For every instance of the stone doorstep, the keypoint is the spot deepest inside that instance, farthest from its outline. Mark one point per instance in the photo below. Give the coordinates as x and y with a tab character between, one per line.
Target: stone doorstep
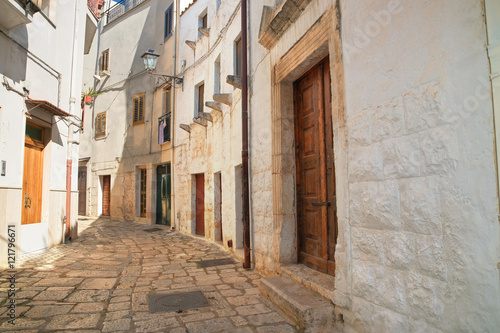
307	309
316	281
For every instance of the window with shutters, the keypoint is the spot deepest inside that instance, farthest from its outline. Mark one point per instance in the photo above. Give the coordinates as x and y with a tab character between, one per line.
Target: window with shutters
167	30
104	63
100	125
139	101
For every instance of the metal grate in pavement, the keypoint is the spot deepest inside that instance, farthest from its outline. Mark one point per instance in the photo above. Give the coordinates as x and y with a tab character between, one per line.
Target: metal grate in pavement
153	229
176	302
215	262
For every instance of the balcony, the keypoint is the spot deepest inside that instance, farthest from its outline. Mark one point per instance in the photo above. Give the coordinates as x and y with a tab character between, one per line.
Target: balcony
121	8
164	128
14	13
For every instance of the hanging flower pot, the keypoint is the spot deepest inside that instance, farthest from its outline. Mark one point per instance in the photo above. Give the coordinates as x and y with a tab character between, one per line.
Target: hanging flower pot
88	96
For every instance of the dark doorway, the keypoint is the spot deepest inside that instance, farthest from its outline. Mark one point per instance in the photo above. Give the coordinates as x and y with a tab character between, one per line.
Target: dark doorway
82	190
316	201
106	195
200	204
218	234
163	195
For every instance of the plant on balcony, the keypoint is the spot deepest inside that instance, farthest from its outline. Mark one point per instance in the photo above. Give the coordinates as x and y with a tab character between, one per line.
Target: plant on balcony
89	95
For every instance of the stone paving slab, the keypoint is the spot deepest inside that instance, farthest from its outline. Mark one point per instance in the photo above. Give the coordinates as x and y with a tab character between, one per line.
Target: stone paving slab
101	281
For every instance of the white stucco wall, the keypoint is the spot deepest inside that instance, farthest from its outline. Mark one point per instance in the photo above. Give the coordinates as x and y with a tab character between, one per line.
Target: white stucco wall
37	70
126	146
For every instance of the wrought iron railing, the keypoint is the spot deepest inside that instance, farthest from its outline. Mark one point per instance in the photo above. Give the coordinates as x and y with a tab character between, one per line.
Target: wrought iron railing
164	128
121	8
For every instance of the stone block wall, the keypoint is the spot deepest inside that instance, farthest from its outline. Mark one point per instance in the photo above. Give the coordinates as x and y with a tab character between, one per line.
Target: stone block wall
415	171
422	185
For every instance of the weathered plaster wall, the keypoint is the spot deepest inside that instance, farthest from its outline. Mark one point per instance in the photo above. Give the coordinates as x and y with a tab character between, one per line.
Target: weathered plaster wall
21	69
493	25
217	147
422	187
127	147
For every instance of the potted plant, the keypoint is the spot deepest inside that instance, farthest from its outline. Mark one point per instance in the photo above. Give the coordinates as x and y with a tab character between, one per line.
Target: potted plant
89	95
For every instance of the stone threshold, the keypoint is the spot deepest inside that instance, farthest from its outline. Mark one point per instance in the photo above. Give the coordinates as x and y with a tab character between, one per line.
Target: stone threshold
318	282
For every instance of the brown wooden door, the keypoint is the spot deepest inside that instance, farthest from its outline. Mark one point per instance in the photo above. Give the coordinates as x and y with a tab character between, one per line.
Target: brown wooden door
316	204
200	204
32	185
106	195
82	190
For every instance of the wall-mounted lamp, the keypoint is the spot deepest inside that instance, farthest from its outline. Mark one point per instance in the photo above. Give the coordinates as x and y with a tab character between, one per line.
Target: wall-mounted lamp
150	57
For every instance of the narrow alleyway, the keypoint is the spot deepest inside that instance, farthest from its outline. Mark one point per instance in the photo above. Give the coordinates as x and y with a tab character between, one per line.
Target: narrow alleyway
101	283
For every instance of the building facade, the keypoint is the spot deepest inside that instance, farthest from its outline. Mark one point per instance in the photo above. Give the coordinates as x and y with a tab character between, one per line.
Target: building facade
40	119
207	168
372	136
372	162
373	169
125	156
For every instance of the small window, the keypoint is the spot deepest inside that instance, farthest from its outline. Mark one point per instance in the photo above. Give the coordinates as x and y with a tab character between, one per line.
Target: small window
164	128
143	192
104	64
167	30
100	124
204	21
201	99
164	120
168	99
34	132
139	108
237	57
217	75
44	6
34	135
217	5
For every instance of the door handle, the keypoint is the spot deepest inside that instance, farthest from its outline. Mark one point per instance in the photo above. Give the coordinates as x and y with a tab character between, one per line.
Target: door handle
27	201
321	204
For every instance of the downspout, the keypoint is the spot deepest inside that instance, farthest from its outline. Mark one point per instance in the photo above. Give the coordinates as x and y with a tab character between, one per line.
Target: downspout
244	134
59	88
172	123
72	101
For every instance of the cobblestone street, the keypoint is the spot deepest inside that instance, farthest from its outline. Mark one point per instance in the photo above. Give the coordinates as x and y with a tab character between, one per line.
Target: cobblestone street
101	282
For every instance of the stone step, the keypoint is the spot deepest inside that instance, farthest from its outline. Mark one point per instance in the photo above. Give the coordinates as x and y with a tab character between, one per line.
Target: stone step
318	282
307	309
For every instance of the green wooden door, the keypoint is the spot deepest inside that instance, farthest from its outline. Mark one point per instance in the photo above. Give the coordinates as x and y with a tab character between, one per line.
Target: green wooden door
163	195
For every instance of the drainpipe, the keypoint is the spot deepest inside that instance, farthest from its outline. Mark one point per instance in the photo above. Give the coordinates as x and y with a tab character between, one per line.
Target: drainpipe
72	101
244	134
172	121
69	165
